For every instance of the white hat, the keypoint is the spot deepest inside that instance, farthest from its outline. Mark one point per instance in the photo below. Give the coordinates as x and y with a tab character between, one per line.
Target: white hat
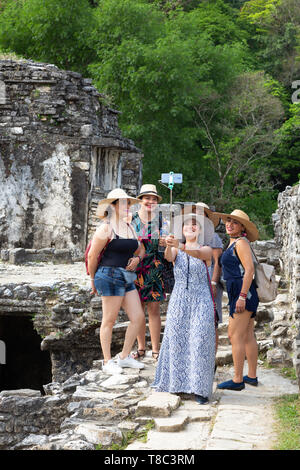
206	232
149	189
243	218
211	215
112	196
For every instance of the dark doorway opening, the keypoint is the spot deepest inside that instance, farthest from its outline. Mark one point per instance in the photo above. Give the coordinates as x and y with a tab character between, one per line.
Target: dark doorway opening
26	365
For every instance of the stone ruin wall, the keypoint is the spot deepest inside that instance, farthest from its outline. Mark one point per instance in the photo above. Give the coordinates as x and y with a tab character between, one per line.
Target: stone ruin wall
287	236
61	150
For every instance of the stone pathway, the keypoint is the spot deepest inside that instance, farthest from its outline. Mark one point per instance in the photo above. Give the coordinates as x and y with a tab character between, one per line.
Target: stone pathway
99	410
232	421
43	273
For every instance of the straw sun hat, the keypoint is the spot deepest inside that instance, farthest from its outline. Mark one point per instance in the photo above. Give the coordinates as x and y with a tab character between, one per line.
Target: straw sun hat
149	189
243	218
112	196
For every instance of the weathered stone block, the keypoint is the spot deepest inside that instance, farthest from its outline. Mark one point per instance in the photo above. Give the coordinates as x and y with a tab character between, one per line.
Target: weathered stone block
17	256
158	404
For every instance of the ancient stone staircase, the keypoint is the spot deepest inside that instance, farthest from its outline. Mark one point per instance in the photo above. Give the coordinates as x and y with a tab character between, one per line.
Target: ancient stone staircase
101	410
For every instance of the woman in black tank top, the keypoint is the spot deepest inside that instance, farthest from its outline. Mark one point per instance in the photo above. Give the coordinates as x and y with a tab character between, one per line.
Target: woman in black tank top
113	277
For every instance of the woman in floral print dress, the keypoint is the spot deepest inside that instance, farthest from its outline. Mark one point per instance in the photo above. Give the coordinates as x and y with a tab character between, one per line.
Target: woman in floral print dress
149	281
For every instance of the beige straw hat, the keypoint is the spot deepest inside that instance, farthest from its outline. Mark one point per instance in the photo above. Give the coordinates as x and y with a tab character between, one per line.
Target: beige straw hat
211	215
243	218
149	189
112	196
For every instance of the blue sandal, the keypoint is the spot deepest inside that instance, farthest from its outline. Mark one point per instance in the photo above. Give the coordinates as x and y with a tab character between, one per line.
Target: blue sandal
201	400
250	381
231	385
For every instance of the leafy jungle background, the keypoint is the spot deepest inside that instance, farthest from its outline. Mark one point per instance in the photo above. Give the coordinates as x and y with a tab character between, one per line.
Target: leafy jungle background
205	87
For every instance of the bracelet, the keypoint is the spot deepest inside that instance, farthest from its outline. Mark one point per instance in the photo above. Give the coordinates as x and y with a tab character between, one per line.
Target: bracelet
214	283
139	257
243	295
242	298
92	279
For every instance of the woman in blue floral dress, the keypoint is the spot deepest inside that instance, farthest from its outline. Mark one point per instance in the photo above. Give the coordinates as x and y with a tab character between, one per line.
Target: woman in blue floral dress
187	356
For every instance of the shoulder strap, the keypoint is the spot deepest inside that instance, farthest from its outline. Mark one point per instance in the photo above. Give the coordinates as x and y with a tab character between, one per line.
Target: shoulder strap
253	253
212	295
112	234
254	257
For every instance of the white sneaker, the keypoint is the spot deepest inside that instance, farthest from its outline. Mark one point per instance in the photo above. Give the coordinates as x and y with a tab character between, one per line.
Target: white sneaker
129	361
111	368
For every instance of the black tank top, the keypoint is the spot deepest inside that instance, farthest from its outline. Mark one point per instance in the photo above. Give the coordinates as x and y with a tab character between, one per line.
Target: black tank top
119	251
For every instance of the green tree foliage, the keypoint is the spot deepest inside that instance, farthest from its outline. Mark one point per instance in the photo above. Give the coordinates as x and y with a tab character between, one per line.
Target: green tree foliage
287	158
54	31
277	37
186	98
204	86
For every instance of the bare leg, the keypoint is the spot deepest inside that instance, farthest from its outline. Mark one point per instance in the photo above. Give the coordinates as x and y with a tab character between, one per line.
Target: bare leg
154	324
141	337
110	309
251	350
237	333
133	307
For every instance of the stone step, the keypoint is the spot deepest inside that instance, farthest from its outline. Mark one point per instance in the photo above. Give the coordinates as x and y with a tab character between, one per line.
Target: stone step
193	437
174	423
188	412
223	340
222	329
158	404
197	412
224	355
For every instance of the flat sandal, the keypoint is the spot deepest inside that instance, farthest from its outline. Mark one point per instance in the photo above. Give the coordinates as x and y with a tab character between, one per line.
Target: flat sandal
139	354
155	355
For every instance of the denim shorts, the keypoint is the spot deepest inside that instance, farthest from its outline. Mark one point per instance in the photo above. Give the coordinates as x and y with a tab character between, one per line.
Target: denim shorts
110	281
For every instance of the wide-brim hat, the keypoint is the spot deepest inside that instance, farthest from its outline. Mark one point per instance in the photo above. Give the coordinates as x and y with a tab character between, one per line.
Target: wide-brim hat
207	229
211	215
112	196
149	189
243	218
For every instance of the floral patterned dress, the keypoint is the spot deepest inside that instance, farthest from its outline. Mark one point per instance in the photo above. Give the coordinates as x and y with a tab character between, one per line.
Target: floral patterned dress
149	281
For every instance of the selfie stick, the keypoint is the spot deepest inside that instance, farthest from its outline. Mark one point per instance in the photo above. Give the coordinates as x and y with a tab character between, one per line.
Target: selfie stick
171	179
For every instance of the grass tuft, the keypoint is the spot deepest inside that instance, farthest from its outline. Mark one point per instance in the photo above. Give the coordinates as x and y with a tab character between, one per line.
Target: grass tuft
287	410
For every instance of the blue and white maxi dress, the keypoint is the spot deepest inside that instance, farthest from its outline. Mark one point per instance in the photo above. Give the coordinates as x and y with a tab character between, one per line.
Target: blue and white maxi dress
187	354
